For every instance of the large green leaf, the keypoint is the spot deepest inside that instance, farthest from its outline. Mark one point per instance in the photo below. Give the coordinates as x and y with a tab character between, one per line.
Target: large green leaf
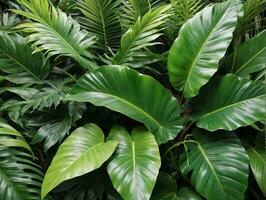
218	164
55	32
138	96
202	42
249	57
82	152
135	165
228	103
17	60
20	178
257	158
101	18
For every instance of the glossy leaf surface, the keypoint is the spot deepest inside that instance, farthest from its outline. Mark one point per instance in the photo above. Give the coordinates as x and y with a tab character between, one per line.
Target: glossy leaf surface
138	96
20	177
202	42
18	62
249	56
83	151
257	158
135	165
55	32
218	165
229	103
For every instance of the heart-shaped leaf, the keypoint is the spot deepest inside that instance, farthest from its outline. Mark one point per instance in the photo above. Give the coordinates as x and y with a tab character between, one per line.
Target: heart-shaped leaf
82	152
135	165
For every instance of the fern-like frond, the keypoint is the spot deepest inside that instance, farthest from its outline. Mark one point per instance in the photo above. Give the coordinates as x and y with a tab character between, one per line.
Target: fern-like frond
101	18
133	9
20	177
55	32
8	21
251	18
181	11
141	36
18	62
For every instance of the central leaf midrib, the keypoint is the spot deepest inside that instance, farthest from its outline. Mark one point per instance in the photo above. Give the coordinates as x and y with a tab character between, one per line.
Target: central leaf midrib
228	106
84	153
249	60
5	177
205	156
21	65
203	45
134	162
134	106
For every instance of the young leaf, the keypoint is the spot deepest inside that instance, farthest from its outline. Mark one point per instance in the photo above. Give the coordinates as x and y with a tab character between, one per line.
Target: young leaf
202	42
135	164
249	57
229	103
56	33
218	164
17	60
82	152
138	96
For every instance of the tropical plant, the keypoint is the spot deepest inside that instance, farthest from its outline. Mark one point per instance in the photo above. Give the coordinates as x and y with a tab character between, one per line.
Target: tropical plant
132	99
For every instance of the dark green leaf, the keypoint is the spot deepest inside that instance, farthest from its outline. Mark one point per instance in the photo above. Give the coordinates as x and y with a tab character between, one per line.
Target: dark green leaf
17	60
249	57
101	18
218	164
257	158
229	103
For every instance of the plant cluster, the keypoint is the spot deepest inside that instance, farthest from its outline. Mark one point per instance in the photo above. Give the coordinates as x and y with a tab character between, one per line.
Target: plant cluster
132	99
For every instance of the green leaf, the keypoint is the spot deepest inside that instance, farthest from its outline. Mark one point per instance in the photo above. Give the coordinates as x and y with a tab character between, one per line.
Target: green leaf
249	56
9	137
52	132
202	42
82	152
20	178
229	103
135	164
132	9
166	189
55	32
24	92
218	164
142	35
185	193
257	158
101	18
17	60
138	96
